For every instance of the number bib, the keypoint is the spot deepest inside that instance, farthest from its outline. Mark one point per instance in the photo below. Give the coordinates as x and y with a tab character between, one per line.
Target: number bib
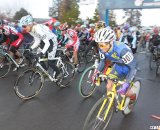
127	58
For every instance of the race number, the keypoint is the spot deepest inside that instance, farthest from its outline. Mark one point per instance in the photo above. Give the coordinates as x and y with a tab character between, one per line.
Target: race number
102	56
127	58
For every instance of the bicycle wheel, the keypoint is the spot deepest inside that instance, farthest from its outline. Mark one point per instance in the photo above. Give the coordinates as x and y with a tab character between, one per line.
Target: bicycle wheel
5	66
67	76
81	61
152	61
86	87
29	84
95	122
136	89
158	67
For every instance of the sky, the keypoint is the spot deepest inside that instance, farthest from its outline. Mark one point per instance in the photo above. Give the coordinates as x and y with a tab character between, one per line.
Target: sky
39	9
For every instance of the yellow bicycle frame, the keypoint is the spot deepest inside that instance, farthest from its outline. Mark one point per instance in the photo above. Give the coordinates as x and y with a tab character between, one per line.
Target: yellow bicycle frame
112	95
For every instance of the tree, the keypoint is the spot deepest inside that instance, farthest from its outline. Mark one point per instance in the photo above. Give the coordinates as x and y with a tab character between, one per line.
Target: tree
112	19
69	11
96	17
55	9
133	17
19	14
6	15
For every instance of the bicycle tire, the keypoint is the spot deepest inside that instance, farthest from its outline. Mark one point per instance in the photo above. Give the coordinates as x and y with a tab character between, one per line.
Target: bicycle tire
5	66
92	86
151	62
65	81
136	88
81	61
94	111
29	79
158	68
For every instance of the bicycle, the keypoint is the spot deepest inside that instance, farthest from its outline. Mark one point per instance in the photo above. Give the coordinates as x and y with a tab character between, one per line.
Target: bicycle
86	85
101	113
30	82
6	62
81	60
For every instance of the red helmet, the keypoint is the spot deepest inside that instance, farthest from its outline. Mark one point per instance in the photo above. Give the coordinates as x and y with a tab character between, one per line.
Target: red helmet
63	26
156	30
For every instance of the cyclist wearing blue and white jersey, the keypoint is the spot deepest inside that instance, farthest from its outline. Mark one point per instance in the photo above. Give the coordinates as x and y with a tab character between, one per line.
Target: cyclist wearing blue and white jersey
120	54
43	38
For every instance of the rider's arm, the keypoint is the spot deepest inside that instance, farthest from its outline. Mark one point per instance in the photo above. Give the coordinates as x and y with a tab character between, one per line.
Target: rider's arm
129	60
36	42
102	62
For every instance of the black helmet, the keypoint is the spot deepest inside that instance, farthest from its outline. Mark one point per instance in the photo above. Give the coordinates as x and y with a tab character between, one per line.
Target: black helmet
1	22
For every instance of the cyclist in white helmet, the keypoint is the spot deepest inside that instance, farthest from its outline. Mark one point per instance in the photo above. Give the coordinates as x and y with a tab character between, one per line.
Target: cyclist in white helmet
43	38
120	54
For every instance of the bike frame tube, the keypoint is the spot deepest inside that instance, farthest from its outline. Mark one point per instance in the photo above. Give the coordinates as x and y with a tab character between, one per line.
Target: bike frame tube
8	56
43	70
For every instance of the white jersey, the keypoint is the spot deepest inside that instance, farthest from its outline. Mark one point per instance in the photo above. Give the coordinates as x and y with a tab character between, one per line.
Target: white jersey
42	32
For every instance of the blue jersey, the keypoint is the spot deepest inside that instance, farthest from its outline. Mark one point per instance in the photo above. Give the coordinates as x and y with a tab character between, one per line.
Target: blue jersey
122	55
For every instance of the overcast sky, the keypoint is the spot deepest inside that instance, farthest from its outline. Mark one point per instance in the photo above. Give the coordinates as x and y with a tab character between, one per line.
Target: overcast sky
39	9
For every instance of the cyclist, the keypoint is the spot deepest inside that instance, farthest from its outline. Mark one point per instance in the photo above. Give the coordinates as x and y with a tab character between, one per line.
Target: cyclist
129	37
125	64
72	41
14	40
43	38
155	40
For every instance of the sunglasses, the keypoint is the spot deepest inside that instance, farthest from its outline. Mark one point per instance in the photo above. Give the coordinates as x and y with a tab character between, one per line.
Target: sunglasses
24	26
102	45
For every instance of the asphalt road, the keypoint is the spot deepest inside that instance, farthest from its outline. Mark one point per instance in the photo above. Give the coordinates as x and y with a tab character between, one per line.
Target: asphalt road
64	109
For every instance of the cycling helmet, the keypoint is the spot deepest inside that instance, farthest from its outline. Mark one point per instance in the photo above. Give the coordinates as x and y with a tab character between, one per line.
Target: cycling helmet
92	25
100	24
104	35
56	24
26	20
1	22
63	26
126	26
83	26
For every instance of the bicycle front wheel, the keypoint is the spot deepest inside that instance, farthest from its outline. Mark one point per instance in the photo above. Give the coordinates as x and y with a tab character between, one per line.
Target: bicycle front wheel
136	89
29	84
5	66
86	86
95	121
152	61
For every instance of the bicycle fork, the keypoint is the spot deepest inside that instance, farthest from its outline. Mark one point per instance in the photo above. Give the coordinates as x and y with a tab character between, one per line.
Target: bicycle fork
110	99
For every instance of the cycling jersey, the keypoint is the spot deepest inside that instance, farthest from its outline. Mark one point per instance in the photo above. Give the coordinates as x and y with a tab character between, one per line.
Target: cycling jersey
15	38
43	33
122	55
73	39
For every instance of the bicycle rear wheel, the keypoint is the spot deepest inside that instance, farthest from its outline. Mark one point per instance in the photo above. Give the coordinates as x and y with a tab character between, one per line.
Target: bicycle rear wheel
81	61
158	68
95	122
5	66
86	86
136	89
29	84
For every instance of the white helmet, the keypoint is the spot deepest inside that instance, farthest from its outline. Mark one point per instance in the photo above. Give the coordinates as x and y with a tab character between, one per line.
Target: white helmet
104	35
26	20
